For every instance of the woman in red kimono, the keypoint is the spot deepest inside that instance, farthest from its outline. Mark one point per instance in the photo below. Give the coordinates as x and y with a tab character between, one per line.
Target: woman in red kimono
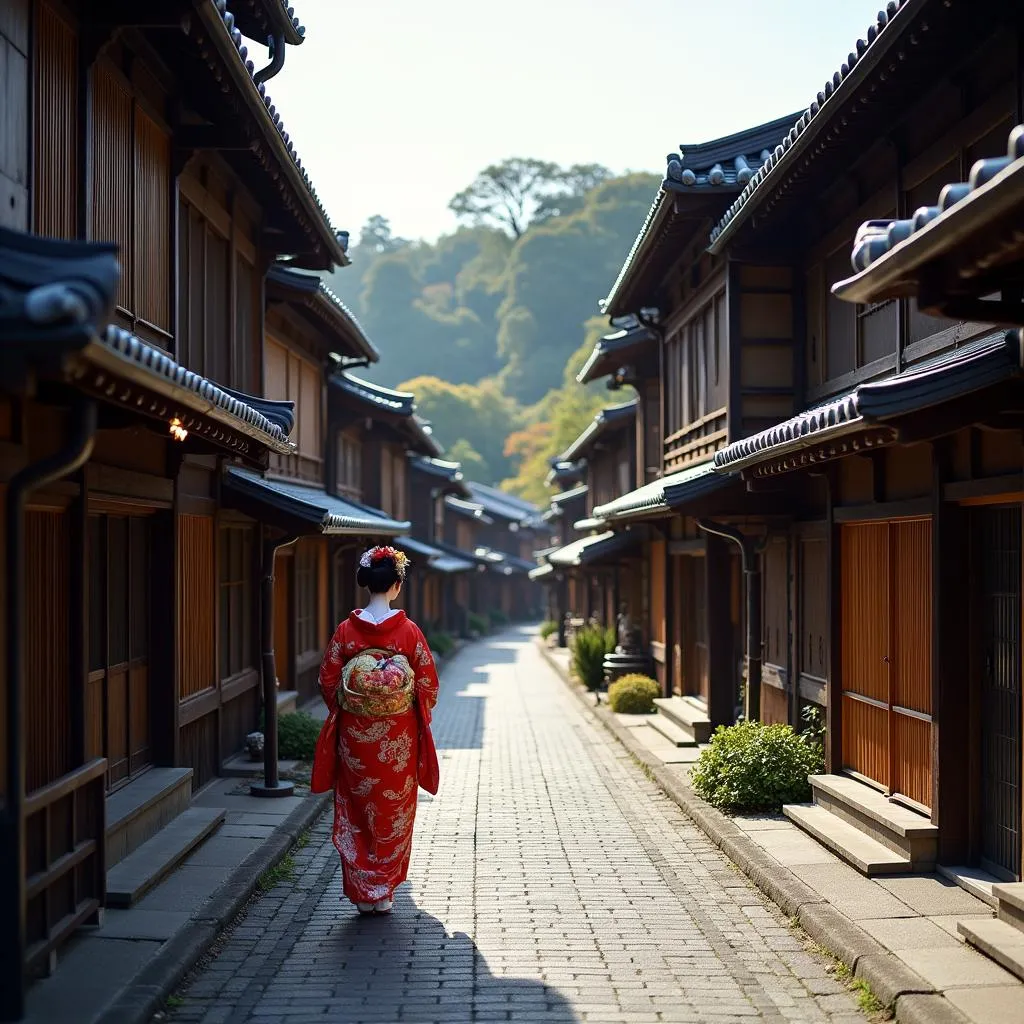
375	749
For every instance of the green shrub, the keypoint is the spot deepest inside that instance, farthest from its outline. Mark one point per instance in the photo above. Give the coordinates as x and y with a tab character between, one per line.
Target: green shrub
297	733
477	623
633	694
441	642
754	767
547	629
589	647
497	617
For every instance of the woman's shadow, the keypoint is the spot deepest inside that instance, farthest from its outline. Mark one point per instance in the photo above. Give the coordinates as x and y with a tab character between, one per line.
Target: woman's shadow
407	967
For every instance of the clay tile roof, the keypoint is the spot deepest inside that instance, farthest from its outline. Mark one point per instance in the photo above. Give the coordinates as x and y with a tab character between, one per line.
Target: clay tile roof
336	241
779	156
974	224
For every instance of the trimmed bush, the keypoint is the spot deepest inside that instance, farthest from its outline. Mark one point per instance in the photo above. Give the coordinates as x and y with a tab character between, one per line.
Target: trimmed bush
754	767
589	647
441	643
477	624
547	629
633	694
297	733
497	617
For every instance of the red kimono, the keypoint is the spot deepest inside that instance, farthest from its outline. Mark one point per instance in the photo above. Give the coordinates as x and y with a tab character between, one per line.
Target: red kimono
375	748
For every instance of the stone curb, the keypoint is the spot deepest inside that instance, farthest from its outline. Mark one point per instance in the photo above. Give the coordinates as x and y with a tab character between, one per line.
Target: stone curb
146	993
916	1000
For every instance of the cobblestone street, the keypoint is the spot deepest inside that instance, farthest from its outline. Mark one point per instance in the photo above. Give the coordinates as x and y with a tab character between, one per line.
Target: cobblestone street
551	881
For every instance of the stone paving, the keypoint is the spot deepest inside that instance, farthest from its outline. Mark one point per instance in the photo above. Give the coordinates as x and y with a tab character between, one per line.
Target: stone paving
550	882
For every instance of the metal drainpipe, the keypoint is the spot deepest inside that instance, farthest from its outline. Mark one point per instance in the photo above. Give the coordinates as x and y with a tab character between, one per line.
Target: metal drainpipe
750	556
272	785
12	838
276	43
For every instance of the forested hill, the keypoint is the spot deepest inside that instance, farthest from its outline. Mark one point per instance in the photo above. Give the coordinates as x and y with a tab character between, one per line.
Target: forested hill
481	325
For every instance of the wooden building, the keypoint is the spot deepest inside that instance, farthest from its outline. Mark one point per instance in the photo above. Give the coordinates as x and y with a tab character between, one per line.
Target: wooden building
682	317
901	472
433	591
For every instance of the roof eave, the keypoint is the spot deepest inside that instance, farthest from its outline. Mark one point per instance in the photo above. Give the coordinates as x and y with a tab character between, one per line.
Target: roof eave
875	53
329	251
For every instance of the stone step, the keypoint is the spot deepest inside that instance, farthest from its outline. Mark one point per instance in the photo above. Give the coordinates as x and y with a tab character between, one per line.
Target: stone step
867	855
977	882
1010	903
667	728
997	940
905	832
155	859
138	811
688	715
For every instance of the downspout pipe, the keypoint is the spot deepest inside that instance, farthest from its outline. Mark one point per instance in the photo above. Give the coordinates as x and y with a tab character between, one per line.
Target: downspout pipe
72	456
276	45
271	786
750	555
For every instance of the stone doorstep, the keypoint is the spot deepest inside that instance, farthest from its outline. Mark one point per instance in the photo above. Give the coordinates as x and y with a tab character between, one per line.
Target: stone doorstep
130	879
137	811
241	766
687	715
676	736
997	940
1010	903
858	849
905	832
975	881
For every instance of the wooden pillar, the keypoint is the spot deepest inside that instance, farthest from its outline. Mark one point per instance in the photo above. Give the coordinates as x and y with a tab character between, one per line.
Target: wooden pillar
718	602
834	682
952	679
670	613
78	681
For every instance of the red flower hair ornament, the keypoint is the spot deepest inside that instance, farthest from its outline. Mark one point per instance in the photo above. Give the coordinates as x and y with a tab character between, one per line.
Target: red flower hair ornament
385	553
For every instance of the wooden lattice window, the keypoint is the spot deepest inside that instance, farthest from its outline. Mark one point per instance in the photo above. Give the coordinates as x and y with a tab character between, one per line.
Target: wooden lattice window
306	585
236	600
196	608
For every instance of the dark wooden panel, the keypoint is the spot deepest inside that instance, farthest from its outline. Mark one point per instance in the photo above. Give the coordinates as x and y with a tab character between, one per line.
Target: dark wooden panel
113	171
55	127
813	598
774	706
47	651
776	601
997	550
199	749
152	202
196	605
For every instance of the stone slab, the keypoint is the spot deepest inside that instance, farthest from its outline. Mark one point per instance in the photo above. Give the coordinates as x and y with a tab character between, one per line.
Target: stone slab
933	1009
148	788
760	822
955	968
896	933
88	973
156	858
997	1004
135	923
189	886
847	890
932	895
857	848
977	882
222	851
234	830
791	846
999	941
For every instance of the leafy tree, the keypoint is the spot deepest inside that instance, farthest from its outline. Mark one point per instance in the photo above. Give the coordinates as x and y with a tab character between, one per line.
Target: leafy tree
506	194
478	414
473	465
377	237
577	181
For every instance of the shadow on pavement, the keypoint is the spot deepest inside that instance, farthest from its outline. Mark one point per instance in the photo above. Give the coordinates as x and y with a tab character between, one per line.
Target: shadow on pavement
406	966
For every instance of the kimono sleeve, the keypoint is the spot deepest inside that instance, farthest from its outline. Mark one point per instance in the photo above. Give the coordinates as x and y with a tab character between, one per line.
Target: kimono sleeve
330	667
422	661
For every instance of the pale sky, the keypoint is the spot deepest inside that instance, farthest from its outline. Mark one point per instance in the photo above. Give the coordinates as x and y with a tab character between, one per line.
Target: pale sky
395	105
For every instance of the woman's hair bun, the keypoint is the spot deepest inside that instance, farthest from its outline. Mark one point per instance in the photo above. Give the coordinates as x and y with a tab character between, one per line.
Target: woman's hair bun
380	568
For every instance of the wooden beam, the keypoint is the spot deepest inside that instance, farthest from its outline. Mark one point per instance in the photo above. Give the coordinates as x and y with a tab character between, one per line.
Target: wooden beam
721	663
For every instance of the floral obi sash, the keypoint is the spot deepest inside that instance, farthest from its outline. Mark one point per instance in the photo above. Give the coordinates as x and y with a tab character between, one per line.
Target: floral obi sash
376	683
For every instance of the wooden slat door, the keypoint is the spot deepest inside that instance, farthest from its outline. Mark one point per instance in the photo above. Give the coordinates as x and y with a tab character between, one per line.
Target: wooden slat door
886	655
997	562
117	699
695	628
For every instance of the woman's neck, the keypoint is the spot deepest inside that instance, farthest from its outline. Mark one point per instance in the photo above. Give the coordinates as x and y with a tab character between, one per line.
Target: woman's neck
378	607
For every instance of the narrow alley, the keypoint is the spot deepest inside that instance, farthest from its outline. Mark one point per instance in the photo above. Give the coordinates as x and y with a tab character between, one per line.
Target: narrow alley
551	881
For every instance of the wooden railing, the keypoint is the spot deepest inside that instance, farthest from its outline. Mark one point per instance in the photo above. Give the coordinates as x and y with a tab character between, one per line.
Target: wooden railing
65	858
696	440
